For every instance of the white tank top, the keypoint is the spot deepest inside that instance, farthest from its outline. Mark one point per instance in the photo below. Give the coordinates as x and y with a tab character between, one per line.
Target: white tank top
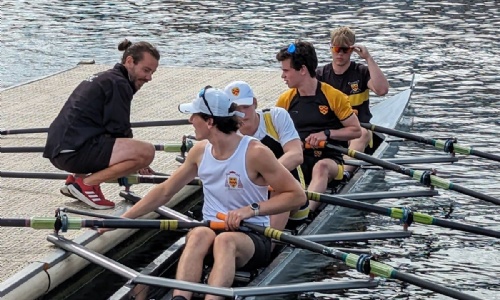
226	185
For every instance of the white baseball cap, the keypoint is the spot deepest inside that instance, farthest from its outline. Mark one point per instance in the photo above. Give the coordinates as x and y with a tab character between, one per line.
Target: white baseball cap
212	102
240	92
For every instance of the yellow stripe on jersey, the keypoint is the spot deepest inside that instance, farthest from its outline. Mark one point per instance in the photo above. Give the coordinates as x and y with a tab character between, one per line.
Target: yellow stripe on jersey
286	98
270	126
338	101
358	99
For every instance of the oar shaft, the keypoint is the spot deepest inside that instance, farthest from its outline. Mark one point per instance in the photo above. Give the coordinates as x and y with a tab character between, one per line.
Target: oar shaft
352	260
455	294
131	179
21	149
133	124
401	134
463	227
438	144
23	131
448	185
344	202
491	156
160	123
436	181
78	223
397	213
171	148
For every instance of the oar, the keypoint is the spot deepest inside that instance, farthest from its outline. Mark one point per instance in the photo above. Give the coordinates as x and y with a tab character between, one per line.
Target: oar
170	147
424	177
448	146
133	124
402	214
408	160
135	277
85	213
65	223
127	180
360	263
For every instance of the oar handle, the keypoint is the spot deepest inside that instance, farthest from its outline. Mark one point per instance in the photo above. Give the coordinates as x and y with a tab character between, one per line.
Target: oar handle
322	144
217	225
221	216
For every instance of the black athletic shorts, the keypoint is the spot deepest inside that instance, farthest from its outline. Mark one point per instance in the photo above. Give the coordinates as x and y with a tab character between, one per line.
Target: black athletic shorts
92	157
311	157
261	257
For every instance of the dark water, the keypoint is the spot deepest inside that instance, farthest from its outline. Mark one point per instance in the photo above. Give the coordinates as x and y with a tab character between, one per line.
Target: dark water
454	46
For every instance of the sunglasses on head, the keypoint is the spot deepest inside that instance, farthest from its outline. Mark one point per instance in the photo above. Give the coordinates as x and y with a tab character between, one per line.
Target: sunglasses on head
337	49
201	94
291	48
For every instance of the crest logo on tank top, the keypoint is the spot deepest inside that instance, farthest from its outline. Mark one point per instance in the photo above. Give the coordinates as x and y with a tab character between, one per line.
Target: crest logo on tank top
354	87
323	109
233	180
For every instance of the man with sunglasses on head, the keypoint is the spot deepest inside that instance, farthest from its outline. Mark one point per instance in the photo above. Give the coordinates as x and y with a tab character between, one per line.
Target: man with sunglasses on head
355	80
319	112
275	129
235	171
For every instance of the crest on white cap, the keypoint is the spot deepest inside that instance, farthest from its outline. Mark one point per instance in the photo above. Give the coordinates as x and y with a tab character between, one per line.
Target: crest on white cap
212	102
240	92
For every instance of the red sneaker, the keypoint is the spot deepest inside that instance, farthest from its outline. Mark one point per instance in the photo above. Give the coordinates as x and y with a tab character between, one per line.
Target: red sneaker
64	190
90	194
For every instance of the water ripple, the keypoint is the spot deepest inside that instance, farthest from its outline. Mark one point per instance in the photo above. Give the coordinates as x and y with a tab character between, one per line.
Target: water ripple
454	46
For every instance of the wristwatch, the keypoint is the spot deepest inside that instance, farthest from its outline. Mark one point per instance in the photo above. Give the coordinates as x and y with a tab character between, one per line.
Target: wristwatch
327	133
255	207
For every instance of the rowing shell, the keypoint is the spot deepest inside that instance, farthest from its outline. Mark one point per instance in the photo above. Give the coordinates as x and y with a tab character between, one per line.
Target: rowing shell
386	113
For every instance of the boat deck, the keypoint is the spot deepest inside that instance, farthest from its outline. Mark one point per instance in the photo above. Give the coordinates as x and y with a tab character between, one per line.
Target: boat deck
36	103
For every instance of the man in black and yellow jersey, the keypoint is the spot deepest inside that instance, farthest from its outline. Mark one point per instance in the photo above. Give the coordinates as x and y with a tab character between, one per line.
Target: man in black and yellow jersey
319	112
275	129
353	79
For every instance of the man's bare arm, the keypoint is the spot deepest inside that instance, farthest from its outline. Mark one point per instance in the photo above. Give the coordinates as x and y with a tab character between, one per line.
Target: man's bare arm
293	155
351	130
288	194
162	193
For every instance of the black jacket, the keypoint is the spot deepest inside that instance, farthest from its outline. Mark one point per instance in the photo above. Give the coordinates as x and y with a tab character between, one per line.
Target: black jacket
99	105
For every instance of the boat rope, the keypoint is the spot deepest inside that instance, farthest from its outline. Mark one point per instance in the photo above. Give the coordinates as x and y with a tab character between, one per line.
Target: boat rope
407	218
425	178
448	146
363	264
184	147
123	181
58	224
64	222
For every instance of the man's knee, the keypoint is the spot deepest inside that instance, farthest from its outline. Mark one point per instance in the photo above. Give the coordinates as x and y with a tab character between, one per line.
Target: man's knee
148	153
365	135
200	238
322	167
225	242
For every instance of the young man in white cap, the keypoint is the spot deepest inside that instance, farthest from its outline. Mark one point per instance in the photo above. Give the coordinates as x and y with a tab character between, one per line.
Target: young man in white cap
235	171
275	129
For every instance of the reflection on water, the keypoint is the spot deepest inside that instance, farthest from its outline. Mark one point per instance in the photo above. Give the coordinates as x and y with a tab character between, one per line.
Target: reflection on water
454	46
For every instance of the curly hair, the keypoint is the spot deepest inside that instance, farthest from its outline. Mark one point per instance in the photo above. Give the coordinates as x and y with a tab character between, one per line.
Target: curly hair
304	54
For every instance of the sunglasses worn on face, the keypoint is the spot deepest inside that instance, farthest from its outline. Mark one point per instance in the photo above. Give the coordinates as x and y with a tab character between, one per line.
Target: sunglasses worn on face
202	95
346	50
